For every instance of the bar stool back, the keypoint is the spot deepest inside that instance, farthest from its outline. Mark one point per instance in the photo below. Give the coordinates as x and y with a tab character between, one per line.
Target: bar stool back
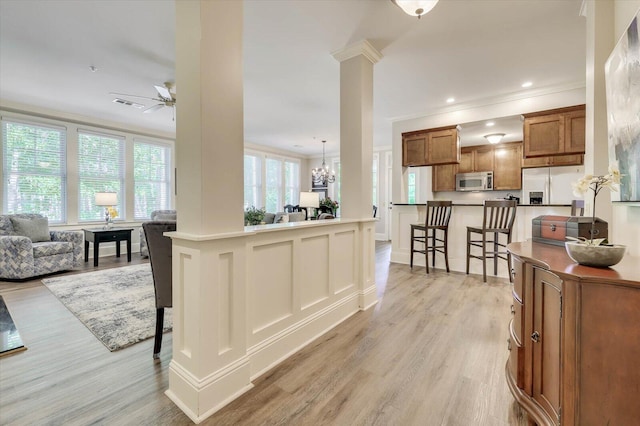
437	219
498	218
577	207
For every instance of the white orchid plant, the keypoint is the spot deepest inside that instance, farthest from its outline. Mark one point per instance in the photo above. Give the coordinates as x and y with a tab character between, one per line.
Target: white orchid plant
595	184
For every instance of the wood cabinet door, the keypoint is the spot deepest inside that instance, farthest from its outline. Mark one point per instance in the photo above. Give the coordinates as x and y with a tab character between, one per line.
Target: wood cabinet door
466	160
508	171
443	147
546	341
484	159
444	177
414	150
574	127
544	135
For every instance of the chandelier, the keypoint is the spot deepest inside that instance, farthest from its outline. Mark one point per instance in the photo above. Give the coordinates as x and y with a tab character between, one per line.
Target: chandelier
321	175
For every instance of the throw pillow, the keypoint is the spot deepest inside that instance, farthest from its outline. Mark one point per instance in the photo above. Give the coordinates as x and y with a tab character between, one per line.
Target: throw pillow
283	219
279	216
36	229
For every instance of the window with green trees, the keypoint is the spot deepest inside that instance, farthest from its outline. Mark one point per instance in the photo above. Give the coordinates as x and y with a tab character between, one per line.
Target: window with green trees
152	178
34	169
100	169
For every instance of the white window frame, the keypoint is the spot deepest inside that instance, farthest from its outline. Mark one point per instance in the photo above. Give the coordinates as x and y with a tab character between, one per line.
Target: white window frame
99	211
9	176
164	184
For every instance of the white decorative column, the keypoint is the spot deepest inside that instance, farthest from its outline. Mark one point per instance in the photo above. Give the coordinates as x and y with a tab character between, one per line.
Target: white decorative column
356	154
210	365
600	43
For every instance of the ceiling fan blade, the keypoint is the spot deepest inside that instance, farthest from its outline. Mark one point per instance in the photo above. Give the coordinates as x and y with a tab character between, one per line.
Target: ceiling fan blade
164	93
153	108
134	96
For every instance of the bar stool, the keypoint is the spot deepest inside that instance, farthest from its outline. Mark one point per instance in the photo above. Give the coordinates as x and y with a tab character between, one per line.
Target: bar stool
498	218
438	215
577	206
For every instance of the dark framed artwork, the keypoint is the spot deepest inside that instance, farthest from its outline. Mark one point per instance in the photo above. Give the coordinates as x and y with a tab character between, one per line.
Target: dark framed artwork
322	190
622	76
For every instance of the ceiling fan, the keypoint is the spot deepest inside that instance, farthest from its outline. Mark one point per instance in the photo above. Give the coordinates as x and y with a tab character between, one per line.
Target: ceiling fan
165	97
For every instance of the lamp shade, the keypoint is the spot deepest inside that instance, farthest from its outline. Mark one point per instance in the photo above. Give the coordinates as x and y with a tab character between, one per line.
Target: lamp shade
309	199
106	198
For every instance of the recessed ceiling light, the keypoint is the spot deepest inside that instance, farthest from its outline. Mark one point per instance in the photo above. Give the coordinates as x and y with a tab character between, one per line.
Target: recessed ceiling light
490	123
93	68
450	100
527	84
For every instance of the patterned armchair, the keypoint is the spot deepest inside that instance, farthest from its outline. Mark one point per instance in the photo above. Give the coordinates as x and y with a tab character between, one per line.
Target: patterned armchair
21	258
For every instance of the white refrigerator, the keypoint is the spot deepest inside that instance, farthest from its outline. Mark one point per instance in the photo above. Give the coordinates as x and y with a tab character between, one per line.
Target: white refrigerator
552	183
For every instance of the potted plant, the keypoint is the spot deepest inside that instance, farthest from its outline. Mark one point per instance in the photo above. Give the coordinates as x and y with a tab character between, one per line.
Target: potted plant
331	204
595	251
253	215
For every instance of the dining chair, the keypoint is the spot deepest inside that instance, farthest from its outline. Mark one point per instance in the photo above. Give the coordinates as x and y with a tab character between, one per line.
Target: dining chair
437	219
159	247
497	219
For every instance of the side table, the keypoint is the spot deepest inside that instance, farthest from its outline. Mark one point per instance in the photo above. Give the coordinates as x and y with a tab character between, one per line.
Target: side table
99	235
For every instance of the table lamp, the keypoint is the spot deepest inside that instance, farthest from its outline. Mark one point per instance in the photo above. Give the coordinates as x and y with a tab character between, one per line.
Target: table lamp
106	200
309	200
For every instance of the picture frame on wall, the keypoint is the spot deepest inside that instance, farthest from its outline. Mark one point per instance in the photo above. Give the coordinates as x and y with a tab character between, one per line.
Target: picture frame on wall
622	77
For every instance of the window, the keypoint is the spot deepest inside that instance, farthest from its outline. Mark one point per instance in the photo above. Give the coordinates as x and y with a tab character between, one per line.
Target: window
411	188
252	181
100	168
291	182
273	185
34	169
374	175
152	178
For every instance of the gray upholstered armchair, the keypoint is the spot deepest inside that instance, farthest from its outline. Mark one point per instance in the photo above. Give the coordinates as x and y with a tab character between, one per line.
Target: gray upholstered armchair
160	257
155	215
28	248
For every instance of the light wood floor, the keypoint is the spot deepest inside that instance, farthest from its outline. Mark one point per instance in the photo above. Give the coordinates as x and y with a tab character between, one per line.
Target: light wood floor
431	352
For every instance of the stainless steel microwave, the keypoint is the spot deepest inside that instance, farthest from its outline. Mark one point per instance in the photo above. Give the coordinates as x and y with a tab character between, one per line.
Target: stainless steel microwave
479	181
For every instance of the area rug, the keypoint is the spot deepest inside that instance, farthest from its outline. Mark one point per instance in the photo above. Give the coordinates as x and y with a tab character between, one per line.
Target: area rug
117	305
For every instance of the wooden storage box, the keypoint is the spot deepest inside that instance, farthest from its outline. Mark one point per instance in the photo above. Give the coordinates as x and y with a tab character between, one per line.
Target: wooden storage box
553	229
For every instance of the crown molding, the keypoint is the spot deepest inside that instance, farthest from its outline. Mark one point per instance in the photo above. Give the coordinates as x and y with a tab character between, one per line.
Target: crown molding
362	47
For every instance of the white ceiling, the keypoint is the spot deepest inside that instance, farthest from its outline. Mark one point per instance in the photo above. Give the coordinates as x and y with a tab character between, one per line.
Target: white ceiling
472	50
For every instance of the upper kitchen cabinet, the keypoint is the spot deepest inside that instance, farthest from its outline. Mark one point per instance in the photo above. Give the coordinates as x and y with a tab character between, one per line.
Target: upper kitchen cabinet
431	147
554	132
476	159
508	173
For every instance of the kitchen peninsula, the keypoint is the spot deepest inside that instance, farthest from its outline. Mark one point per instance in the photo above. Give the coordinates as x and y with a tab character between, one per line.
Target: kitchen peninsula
464	213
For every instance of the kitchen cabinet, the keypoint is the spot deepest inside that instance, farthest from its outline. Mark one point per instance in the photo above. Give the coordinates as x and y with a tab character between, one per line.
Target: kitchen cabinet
444	177
476	159
431	147
554	132
573	338
555	160
504	160
507	174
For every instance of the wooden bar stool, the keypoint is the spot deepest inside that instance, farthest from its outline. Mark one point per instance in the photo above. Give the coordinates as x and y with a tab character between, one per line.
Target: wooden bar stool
498	218
437	219
577	207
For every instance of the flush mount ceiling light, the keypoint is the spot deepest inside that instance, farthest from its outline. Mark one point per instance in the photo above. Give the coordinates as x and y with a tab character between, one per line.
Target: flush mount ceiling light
451	100
494	137
415	7
527	84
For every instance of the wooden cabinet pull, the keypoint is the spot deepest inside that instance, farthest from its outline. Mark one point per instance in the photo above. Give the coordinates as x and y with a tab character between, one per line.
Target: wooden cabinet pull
535	336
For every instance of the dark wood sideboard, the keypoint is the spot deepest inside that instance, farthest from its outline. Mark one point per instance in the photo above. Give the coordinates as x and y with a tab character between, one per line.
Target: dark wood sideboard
574	338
